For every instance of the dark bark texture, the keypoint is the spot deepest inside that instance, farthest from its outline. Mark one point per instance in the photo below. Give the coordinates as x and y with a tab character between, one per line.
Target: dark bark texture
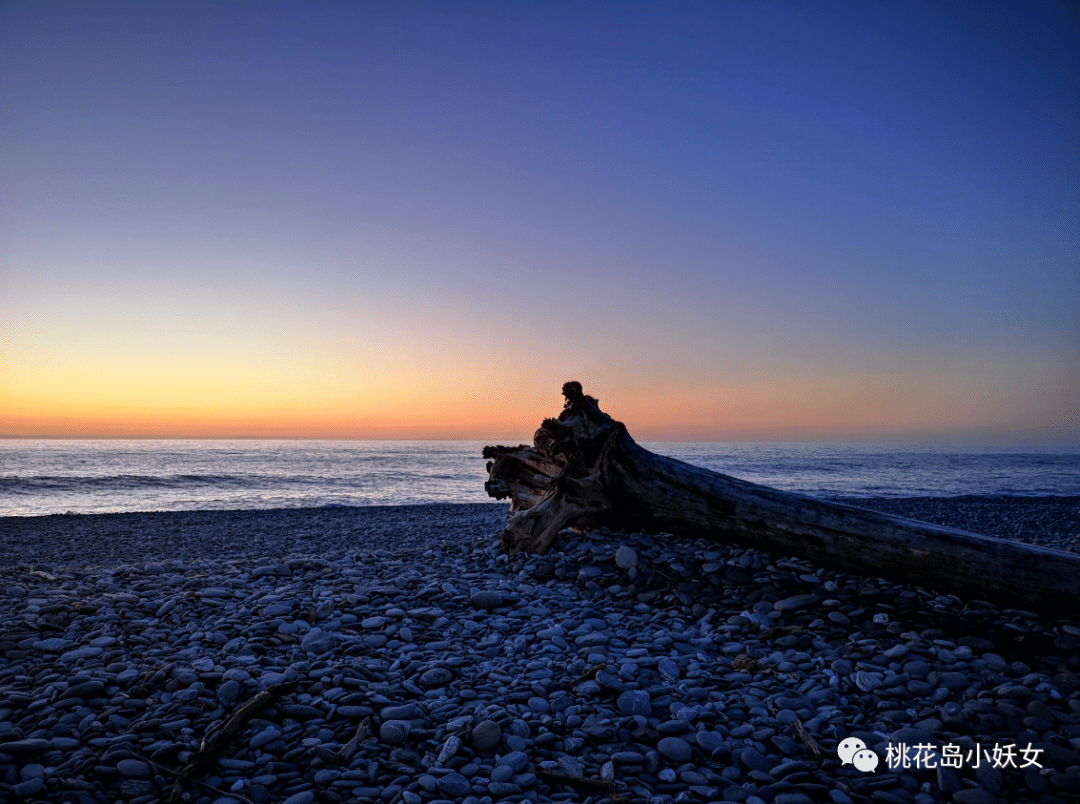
584	471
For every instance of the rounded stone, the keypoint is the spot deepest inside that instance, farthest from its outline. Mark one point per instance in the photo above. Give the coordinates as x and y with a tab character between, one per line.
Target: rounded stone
33	770
709	740
486	735
486	600
792	797
1069	782
454	785
755	760
436	678
515	760
28	788
625	557
229	691
635	702
267	735
403	712
975	643
317	642
954	682
31	746
868	682
134	769
674	748
975	795
794	603
395	732
303	797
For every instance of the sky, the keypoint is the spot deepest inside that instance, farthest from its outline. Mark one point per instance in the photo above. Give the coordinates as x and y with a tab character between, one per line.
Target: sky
732	220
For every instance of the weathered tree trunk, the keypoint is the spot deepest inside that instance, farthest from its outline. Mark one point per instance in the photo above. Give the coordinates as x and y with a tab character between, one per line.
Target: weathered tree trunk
585	471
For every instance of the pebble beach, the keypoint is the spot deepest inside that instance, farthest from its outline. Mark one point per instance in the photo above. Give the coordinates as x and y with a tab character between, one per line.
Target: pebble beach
423	665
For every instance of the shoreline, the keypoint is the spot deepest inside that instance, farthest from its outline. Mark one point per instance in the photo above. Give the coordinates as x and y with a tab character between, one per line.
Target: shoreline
671	667
1050	521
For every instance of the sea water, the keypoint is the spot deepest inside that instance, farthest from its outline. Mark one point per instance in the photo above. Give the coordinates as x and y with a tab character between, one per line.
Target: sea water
55	476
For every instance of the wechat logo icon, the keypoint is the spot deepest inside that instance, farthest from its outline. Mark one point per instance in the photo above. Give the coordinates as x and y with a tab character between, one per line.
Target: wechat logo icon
853	751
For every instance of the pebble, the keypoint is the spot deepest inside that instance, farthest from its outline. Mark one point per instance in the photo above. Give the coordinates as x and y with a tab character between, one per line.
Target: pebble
625	557
974	796
635	702
515	761
646	660
486	735
303	797
317	642
134	768
395	732
486	600
30	787
435	678
454	785
794	603
674	748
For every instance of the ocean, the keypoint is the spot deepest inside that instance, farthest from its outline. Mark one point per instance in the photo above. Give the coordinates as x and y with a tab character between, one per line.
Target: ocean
54	476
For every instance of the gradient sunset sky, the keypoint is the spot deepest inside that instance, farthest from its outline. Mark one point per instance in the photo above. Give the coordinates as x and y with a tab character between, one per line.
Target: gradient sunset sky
729	220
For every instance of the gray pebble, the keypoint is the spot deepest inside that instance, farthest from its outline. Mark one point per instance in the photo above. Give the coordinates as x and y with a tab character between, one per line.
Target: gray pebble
674	748
454	784
625	557
486	735
303	797
436	678
974	795
134	769
395	732
635	702
794	603
486	600
515	760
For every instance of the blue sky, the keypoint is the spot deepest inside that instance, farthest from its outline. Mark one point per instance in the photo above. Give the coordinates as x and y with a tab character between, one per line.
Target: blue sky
731	220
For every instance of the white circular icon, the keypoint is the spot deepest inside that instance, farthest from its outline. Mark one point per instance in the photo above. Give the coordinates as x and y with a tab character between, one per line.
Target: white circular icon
848	747
865	760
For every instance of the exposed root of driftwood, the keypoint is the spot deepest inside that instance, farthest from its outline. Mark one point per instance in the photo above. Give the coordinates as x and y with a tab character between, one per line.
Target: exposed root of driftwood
199	782
810	742
584	471
350	748
215	743
778	631
618	790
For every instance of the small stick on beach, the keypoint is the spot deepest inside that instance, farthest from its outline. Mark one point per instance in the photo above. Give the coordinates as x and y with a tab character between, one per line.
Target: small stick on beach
810	741
214	747
351	747
617	789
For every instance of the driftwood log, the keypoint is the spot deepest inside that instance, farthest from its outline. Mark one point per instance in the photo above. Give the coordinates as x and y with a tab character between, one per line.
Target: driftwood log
584	471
